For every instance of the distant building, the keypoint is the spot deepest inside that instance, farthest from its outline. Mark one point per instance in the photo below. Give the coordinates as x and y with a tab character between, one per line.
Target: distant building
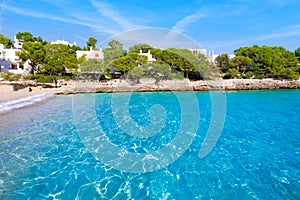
10	55
62	42
210	54
91	54
231	56
197	51
17	43
150	57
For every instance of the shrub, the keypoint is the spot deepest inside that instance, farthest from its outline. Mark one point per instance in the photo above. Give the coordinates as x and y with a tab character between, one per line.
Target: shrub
9	76
30	77
249	75
259	76
232	73
40	78
67	78
179	75
44	78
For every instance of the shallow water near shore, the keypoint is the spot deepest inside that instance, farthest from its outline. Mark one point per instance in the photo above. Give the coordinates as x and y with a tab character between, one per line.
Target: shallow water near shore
257	156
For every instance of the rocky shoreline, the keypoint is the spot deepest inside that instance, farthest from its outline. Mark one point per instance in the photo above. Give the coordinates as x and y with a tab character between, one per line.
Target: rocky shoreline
247	84
148	85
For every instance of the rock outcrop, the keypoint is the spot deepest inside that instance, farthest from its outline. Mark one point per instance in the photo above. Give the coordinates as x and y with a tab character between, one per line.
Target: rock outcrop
149	85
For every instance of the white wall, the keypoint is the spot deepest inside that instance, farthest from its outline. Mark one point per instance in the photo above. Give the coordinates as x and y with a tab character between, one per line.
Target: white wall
92	54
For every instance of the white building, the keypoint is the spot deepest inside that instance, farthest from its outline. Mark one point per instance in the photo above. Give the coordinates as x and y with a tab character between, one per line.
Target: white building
17	43
91	54
2	51
210	54
196	51
62	42
150	57
231	56
10	55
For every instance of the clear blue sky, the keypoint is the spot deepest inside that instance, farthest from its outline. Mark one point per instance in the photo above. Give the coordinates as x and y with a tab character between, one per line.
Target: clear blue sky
219	25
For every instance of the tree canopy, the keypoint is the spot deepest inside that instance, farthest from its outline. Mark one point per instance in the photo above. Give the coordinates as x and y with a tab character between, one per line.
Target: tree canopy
46	58
92	65
91	42
115	44
222	62
162	71
297	54
25	37
127	62
184	60
115	51
248	62
58	57
260	62
34	52
6	41
140	46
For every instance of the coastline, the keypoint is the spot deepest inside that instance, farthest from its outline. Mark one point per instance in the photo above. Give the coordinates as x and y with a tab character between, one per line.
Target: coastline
16	90
147	85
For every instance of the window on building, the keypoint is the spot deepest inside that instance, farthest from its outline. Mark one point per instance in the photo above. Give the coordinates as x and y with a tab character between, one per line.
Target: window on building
14	66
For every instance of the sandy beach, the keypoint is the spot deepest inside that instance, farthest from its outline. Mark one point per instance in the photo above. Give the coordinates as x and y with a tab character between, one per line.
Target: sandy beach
7	93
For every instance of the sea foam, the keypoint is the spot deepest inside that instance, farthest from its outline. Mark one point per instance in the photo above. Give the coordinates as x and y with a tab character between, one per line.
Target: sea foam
22	102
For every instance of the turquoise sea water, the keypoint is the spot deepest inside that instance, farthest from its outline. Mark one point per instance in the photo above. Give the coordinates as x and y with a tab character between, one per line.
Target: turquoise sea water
257	156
